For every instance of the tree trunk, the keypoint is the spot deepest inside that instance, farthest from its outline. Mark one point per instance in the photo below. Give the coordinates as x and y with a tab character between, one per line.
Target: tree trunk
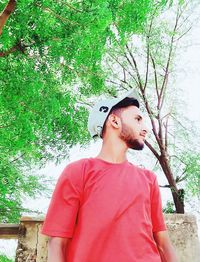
6	13
179	201
178	195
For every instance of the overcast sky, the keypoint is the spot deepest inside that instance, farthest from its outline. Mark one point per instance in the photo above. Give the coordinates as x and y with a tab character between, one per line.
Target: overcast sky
189	73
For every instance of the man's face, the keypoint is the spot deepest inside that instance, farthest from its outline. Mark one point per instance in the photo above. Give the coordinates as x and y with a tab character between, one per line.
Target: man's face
133	130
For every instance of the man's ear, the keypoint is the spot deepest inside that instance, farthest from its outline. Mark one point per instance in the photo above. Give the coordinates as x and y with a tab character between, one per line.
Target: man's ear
114	121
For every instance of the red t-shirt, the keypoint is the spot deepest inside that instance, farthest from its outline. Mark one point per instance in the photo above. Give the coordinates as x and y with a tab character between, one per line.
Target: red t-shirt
109	211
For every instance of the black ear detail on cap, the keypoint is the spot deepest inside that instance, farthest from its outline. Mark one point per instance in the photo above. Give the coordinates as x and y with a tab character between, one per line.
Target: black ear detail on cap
103	109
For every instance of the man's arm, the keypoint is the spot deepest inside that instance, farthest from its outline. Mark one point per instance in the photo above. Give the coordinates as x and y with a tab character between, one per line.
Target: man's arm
166	250
57	248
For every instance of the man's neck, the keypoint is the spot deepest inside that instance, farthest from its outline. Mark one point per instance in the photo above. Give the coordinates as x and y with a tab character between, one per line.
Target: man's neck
113	153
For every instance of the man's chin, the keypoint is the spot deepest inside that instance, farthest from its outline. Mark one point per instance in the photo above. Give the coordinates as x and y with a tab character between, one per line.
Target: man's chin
139	148
136	145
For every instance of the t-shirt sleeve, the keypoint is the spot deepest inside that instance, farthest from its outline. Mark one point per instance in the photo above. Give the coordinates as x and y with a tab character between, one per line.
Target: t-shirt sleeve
63	209
157	217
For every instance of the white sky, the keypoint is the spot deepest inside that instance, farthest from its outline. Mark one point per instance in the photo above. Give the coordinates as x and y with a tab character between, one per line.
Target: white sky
189	74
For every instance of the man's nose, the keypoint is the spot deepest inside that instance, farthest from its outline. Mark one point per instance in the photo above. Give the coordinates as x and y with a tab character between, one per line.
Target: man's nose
144	129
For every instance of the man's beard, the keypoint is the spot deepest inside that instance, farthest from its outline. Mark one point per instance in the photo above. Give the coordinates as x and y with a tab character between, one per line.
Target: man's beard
131	142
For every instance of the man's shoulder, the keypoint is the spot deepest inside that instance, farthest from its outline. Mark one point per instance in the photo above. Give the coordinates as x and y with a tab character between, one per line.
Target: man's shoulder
76	165
78	162
145	172
74	170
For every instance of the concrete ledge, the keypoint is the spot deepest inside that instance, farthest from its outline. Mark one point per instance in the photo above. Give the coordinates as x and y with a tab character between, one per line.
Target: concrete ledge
32	219
182	230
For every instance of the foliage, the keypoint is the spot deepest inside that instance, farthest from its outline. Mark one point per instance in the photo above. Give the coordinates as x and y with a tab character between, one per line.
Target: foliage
192	172
169	208
51	54
46	48
56	58
16	184
147	64
5	259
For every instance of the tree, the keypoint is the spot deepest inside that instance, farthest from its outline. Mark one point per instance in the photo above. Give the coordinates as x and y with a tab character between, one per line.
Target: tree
146	62
47	51
66	54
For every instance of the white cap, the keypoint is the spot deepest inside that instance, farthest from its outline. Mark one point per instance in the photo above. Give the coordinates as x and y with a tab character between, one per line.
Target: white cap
101	110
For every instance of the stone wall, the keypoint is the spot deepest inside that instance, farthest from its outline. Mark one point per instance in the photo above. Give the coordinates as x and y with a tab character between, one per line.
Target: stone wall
183	233
32	245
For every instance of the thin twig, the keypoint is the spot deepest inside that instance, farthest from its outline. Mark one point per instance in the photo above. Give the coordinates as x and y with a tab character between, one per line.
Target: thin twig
18	47
124	68
156	78
164	84
63	19
124	75
71	7
148	52
166	186
16	159
183	34
166	133
135	67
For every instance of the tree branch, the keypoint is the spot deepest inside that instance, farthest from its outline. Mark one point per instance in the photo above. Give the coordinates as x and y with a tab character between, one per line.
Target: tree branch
71	7
82	102
16	159
164	84
139	84
175	40
156	78
178	121
122	81
6	13
148	52
160	133
135	67
18	47
78	10
124	75
166	132
142	90
118	84
4	126
11	50
124	68
178	159
147	67
181	179
63	19
166	186
153	150
149	111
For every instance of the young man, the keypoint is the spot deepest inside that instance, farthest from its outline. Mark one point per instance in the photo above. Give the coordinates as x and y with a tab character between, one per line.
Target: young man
105	209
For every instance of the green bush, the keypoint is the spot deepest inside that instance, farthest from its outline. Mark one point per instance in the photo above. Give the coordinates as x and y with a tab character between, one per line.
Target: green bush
169	208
